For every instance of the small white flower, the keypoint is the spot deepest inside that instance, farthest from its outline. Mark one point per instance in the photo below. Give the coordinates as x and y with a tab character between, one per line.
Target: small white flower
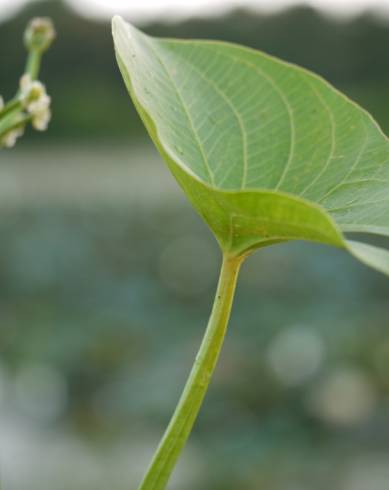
25	82
31	90
41	119
1	103
35	101
9	139
39	105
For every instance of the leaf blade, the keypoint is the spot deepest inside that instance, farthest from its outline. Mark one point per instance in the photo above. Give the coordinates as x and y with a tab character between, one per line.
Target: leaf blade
247	135
375	257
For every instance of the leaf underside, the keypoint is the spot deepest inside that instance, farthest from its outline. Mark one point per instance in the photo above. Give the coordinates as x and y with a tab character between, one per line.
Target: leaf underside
266	151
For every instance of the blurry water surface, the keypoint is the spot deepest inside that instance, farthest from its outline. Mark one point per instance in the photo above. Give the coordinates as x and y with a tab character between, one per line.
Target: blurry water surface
106	279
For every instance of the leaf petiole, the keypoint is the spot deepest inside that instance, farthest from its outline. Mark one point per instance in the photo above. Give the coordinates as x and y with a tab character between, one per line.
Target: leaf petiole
182	421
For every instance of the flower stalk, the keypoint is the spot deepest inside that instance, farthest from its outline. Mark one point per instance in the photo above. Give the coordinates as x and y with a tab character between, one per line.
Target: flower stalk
31	102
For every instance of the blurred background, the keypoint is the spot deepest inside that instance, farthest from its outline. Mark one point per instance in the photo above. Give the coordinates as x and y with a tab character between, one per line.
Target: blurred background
107	277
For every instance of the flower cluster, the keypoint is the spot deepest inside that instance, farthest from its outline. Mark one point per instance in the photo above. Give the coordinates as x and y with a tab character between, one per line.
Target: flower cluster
31	102
35	101
35	104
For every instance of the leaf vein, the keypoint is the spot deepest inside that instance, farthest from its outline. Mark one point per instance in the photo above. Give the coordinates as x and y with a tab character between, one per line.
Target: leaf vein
187	113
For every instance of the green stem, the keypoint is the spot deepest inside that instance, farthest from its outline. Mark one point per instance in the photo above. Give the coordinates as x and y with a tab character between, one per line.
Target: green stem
33	63
181	423
32	68
11	106
12	121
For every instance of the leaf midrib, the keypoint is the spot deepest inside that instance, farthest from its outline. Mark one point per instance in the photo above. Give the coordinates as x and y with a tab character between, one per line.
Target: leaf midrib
186	111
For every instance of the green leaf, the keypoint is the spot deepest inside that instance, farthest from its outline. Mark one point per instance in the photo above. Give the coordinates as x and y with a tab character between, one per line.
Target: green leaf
266	151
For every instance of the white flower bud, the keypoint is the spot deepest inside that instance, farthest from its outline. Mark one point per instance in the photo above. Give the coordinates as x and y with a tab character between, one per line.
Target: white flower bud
39	105
35	101
39	34
31	90
41	119
25	83
8	140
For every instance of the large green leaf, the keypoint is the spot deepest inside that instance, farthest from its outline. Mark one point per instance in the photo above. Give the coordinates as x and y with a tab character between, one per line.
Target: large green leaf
265	151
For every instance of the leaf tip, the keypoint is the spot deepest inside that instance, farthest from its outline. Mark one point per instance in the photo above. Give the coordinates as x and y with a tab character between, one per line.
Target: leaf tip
117	20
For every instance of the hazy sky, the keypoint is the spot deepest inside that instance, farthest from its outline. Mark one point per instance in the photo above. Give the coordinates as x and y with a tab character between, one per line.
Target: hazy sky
146	9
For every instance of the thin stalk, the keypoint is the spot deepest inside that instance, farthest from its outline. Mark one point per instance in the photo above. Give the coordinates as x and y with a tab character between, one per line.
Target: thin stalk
33	63
13	104
180	426
13	121
32	68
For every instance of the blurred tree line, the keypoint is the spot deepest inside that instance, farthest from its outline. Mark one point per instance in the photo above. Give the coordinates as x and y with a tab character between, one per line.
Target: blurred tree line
89	96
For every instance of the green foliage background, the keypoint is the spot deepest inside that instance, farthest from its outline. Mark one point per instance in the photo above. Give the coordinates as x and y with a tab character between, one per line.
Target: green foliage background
84	80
